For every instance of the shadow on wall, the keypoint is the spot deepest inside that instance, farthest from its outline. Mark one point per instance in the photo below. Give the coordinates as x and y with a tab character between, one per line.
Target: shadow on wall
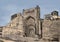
1	41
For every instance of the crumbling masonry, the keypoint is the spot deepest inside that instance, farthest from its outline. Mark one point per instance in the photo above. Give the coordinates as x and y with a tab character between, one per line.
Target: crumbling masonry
29	24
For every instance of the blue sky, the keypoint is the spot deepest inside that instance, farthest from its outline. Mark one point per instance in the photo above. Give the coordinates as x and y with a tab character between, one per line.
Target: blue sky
9	7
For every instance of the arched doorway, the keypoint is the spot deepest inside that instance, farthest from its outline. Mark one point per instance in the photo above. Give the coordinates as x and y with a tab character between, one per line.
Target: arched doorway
30	26
31	31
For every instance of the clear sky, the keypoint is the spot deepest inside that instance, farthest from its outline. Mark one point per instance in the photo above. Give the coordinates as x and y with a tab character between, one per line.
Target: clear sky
9	7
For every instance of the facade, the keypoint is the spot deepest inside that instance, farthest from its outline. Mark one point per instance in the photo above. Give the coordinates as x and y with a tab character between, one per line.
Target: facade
28	24
32	21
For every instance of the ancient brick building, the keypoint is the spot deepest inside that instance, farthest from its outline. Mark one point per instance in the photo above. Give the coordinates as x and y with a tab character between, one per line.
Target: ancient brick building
29	24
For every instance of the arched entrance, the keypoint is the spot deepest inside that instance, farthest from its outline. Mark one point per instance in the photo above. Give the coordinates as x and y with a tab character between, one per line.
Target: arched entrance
30	26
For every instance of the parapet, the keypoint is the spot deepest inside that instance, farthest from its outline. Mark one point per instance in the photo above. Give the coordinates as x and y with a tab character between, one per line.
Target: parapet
15	15
30	10
53	16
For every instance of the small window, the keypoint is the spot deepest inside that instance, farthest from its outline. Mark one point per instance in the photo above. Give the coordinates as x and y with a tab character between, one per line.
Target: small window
0	33
13	16
0	30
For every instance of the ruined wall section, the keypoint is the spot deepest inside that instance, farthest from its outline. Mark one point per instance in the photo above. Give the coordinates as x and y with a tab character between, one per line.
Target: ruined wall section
15	27
45	29
51	29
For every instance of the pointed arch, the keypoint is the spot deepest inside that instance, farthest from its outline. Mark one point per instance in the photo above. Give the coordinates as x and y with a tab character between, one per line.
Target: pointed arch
30	17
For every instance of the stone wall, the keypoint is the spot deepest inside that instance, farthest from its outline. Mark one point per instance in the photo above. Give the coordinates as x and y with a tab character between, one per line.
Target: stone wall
51	29
32	21
29	25
15	28
45	29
